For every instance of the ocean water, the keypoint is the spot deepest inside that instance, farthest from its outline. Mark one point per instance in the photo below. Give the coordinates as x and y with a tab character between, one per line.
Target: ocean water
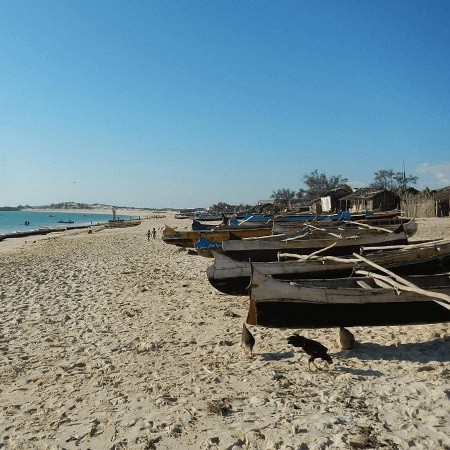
13	221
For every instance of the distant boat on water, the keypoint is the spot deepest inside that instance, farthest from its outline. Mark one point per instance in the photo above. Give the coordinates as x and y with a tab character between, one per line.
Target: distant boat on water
14	221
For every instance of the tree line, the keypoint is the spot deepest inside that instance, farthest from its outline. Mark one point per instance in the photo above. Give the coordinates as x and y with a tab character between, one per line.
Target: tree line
319	184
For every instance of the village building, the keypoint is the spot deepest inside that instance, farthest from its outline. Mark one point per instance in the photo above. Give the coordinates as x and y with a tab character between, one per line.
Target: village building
330	202
265	206
370	199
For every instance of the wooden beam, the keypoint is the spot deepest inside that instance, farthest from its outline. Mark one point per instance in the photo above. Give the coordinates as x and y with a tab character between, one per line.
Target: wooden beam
405	284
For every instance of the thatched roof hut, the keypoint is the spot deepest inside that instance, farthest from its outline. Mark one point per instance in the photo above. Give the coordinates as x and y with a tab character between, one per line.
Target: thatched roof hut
370	199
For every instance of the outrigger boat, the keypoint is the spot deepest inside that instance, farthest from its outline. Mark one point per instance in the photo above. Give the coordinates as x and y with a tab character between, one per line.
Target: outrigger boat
409	225
233	277
365	300
188	238
268	249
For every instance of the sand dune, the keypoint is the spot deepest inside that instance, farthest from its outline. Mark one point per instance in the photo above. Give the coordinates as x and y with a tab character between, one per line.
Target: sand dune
110	341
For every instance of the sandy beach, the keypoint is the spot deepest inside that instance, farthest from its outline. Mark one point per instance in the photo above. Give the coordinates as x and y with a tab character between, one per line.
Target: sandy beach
112	341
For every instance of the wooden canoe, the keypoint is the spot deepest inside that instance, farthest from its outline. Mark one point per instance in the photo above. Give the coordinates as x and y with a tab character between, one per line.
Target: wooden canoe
354	301
267	250
183	238
200	226
409	225
233	277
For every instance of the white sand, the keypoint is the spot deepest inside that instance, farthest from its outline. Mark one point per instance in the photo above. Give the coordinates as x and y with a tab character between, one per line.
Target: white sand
110	341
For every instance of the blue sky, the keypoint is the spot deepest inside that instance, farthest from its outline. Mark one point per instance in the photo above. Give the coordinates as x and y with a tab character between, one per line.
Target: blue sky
185	104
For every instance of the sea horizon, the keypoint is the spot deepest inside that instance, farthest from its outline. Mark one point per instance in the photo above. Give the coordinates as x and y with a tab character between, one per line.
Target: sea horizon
30	220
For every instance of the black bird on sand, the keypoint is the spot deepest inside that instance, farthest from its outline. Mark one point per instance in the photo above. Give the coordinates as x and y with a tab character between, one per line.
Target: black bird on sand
346	339
248	340
313	348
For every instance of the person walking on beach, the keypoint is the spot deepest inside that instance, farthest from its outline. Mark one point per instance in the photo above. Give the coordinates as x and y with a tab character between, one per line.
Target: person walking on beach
148	235
154	233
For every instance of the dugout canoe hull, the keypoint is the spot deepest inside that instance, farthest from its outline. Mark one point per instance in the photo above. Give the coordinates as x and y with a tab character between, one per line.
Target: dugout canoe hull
342	302
233	277
182	238
257	250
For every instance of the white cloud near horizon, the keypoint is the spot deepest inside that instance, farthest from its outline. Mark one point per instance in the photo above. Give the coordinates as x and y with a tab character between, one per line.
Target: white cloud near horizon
438	173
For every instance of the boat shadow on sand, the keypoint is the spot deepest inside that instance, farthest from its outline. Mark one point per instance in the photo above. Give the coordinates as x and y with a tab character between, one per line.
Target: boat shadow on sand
436	350
360	372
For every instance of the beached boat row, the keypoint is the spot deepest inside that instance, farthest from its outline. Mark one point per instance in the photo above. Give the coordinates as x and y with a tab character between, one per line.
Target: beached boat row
233	277
188	238
327	282
203	237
